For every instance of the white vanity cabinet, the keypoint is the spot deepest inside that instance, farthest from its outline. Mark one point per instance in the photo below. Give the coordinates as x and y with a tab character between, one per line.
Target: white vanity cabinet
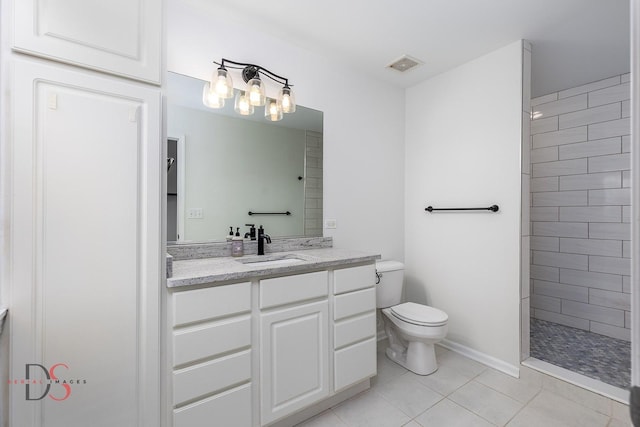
354	326
255	353
211	368
121	37
294	335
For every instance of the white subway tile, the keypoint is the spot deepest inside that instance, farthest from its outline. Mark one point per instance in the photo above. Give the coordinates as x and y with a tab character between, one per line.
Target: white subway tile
611	331
560	106
603	264
610	299
565	136
562	319
591	247
626	179
545	303
546	154
544	184
591	181
609	129
626	214
627	319
615	231
561	167
561	229
589	116
613	162
543	243
614	196
611	282
591	214
626	284
558	259
546	213
626	109
559	198
543	272
592	312
598	147
525	267
558	290
611	94
544	99
611	81
548	124
626	249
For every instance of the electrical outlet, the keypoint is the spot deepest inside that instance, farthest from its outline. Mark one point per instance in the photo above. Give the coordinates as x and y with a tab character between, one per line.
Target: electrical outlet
194	213
330	223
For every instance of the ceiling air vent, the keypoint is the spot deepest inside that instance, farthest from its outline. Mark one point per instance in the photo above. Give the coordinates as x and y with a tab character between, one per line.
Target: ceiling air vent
404	63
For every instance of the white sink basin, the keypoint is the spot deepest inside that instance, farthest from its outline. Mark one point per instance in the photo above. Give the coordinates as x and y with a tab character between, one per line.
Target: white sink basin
272	261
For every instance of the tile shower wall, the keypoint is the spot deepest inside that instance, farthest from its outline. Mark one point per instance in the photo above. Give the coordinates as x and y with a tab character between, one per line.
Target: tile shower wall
580	207
313	185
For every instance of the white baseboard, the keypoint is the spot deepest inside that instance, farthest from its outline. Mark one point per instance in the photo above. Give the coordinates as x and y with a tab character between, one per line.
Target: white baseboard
483	358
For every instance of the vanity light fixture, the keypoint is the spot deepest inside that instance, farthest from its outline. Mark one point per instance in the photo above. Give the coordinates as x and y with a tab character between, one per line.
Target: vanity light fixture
221	88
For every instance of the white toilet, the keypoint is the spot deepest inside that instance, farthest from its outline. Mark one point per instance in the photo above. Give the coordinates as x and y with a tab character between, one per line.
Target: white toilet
412	329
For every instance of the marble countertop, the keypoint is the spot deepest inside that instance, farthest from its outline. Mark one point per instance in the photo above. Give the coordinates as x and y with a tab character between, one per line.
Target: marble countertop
221	269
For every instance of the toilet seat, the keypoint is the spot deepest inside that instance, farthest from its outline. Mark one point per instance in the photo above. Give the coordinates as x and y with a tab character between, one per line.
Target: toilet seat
418	314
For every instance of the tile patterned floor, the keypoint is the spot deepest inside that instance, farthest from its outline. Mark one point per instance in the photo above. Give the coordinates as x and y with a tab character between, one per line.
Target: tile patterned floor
593	355
465	393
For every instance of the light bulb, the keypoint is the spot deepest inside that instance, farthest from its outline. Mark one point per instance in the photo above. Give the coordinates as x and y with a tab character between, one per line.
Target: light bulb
273	110
287	100
210	98
222	84
242	105
255	89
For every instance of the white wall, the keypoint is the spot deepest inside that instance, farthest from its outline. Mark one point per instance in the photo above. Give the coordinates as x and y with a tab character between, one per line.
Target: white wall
363	120
463	136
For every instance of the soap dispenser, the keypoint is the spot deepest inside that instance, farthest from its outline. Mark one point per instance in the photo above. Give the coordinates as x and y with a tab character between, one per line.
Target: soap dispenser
237	244
230	236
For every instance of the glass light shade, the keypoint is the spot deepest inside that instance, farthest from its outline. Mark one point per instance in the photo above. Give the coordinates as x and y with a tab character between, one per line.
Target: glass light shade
273	110
255	89
287	100
222	84
210	98
242	105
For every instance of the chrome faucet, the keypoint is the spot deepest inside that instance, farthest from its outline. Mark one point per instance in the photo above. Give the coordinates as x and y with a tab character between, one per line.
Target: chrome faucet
261	238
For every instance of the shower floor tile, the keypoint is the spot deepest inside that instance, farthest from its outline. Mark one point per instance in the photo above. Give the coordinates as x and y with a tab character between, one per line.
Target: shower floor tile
593	355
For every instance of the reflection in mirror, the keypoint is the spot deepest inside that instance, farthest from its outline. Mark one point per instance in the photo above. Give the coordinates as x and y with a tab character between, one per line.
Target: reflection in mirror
226	165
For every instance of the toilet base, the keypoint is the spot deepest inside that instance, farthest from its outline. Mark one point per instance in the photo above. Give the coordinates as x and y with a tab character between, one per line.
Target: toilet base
418	357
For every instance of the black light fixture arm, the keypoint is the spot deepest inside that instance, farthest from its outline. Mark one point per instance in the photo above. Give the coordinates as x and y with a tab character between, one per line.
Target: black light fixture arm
249	71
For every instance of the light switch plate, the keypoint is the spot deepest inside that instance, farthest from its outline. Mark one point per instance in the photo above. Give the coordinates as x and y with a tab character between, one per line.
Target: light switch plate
195	213
330	223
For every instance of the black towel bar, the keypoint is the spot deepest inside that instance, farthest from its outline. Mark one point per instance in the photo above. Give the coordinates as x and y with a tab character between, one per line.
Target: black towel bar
492	208
269	213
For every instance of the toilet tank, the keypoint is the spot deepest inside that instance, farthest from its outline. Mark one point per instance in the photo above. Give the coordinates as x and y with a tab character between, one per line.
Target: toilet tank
391	278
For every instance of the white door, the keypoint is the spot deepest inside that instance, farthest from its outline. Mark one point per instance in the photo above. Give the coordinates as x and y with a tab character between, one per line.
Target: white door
117	36
85	249
294	362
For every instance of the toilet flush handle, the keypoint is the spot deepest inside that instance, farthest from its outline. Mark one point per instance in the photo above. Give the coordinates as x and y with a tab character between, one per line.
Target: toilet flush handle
378	276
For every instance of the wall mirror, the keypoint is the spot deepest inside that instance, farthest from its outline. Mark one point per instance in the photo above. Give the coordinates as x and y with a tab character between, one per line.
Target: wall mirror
226	166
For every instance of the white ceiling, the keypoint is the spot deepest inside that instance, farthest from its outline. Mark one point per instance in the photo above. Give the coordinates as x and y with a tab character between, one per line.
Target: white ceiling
574	41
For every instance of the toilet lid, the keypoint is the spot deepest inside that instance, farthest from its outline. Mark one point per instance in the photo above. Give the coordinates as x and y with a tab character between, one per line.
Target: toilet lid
419	314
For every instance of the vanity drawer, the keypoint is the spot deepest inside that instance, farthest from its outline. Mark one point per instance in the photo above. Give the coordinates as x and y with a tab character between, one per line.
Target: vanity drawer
355	329
211	303
354	278
211	376
229	409
354	363
285	290
209	340
354	303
